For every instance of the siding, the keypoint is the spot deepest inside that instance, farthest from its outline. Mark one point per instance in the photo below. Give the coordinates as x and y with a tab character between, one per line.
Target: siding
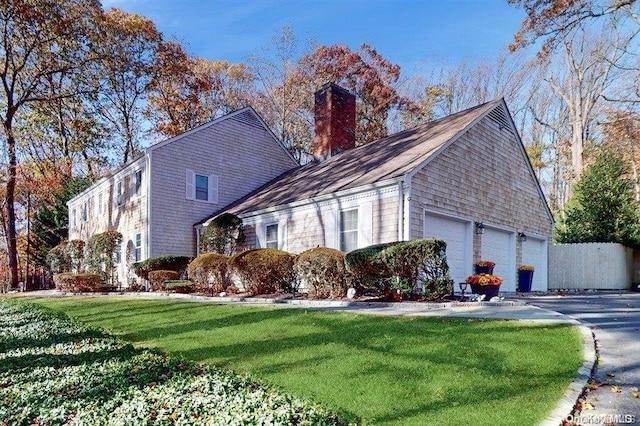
483	176
317	222
239	150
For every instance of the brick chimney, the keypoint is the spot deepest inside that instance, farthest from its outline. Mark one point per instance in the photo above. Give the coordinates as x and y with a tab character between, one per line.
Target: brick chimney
335	118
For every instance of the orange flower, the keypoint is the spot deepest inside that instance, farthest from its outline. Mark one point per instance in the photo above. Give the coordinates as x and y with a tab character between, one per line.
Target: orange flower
485	263
484	279
526	268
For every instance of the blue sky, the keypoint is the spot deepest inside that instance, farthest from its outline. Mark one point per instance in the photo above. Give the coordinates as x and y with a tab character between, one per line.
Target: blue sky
412	33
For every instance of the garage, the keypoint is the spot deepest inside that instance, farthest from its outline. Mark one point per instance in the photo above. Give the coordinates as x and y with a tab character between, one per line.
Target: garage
534	252
458	235
499	246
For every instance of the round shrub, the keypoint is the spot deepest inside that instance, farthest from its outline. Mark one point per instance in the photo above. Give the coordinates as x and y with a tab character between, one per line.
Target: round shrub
158	278
209	269
263	271
87	282
323	272
161	263
367	269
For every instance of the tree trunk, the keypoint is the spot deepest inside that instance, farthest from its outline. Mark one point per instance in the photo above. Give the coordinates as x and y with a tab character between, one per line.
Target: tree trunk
12	248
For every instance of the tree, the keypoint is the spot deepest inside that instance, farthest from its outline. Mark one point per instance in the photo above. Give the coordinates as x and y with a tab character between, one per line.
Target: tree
551	19
40	39
223	235
602	208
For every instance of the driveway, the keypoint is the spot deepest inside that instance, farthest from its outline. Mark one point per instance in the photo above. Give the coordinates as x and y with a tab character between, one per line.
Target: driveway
615	321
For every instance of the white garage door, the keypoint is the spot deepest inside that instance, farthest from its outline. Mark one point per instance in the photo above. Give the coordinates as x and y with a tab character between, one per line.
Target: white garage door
534	252
457	235
498	246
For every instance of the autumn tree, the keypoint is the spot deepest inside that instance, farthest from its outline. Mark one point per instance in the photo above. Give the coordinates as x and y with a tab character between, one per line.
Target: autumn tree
187	92
40	40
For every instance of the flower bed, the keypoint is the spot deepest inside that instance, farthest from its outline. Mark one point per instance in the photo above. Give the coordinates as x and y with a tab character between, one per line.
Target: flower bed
56	371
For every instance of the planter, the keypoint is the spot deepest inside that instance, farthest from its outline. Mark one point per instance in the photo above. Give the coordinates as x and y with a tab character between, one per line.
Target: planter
483	269
488	290
525	279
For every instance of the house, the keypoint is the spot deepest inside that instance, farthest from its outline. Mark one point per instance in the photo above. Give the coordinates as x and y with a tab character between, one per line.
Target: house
154	200
465	178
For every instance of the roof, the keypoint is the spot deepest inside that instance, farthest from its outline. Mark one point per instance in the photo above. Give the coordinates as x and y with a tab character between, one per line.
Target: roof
387	158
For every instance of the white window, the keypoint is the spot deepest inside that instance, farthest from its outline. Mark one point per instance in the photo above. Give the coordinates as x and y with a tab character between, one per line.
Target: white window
272	236
99	207
117	254
348	230
84	215
119	194
201	187
137	247
137	182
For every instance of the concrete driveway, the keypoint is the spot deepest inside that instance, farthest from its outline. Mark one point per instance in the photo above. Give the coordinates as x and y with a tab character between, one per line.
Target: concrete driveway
615	322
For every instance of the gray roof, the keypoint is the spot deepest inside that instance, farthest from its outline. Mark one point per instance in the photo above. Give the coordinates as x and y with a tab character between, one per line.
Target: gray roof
387	158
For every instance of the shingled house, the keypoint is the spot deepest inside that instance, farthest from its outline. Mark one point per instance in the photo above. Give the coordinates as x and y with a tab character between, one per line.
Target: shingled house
465	178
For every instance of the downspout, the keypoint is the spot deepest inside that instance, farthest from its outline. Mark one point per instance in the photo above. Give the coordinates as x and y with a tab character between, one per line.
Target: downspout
400	210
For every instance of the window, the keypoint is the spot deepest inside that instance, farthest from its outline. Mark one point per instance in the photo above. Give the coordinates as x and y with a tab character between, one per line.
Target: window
201	187
137	247
272	236
84	215
348	230
100	208
137	182
117	254
119	195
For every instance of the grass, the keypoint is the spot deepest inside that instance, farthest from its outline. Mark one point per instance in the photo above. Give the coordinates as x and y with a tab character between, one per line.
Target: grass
385	370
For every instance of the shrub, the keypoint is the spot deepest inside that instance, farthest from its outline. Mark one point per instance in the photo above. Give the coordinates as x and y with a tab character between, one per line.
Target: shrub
209	269
100	254
223	235
263	271
87	282
165	263
419	262
158	278
179	286
366	267
324	272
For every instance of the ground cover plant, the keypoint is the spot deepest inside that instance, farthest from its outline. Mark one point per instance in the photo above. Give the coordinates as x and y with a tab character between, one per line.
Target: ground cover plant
54	371
384	370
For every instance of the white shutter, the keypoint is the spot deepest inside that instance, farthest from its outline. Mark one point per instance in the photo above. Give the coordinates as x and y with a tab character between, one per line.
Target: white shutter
213	189
331	231
191	185
261	235
365	225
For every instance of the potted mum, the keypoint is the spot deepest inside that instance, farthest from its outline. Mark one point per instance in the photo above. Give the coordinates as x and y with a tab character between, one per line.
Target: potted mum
525	278
484	267
486	284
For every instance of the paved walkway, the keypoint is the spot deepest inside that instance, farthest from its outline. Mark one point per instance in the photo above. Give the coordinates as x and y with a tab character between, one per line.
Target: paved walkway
538	309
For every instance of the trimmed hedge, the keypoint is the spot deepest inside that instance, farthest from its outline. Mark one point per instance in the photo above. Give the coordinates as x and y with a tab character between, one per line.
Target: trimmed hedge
170	263
324	272
87	282
179	286
419	262
209	269
367	269
158	278
263	271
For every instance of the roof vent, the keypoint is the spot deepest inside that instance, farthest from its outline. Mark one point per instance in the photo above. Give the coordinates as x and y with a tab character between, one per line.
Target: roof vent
499	116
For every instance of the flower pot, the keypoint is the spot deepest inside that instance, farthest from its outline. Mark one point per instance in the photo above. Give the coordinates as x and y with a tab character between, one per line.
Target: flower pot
488	290
483	269
525	279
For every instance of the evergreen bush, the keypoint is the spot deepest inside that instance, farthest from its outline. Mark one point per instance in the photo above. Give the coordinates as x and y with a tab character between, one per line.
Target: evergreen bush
209	269
263	271
323	271
368	271
85	282
171	263
158	278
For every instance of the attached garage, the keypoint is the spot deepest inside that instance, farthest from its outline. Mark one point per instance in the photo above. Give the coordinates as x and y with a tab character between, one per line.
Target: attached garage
499	246
458	235
534	252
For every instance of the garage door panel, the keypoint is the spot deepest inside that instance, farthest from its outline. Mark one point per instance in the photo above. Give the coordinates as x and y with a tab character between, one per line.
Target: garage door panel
455	233
497	246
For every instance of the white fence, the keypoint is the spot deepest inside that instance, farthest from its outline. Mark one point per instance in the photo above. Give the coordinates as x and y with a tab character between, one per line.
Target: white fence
598	266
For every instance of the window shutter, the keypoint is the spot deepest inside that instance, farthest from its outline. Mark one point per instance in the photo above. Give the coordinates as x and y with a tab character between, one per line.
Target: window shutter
213	189
365	224
191	185
331	230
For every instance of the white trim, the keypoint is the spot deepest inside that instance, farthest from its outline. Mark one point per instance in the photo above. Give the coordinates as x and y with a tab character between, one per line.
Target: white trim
149	216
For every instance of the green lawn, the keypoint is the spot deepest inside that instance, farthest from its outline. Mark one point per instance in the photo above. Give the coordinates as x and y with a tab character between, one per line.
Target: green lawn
386	370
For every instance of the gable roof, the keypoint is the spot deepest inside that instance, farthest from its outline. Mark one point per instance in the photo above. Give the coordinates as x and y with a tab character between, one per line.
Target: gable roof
388	158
